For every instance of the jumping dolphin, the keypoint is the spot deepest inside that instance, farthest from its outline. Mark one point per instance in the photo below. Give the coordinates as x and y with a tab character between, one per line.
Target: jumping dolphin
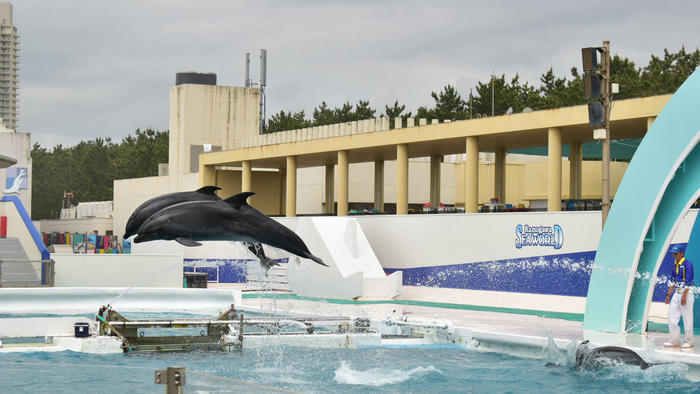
595	359
148	208
206	193
227	220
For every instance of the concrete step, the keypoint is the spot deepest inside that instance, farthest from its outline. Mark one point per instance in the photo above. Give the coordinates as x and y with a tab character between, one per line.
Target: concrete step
19	272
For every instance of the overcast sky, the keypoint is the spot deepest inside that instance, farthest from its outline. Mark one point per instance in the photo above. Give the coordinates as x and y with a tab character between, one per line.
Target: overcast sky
104	68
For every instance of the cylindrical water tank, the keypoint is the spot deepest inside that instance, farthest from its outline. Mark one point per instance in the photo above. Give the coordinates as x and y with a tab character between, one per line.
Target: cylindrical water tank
195	78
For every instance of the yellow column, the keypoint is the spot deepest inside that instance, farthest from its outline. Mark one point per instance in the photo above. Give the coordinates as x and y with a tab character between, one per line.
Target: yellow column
342	183
379	185
554	170
283	191
402	179
575	165
435	161
330	188
207	175
650	120
246	177
471	176
291	209
499	175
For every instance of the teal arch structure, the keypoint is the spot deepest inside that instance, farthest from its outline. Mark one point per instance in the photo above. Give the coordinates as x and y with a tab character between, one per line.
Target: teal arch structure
661	183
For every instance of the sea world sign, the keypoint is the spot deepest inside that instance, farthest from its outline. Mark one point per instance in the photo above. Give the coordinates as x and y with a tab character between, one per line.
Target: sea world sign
526	235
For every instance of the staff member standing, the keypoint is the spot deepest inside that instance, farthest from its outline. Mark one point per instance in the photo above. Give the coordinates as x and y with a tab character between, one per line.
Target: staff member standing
680	297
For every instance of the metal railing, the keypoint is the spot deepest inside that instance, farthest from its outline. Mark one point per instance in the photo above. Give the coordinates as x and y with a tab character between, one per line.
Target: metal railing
11	269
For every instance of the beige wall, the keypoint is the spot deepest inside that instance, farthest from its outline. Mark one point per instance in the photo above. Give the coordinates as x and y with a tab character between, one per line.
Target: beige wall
199	114
89	226
266	185
130	193
535	179
207	114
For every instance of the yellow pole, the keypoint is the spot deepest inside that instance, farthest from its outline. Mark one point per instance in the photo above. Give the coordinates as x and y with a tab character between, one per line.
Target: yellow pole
471	176
554	170
246	177
379	185
342	183
575	164
401	179
650	120
291	186
207	175
499	176
330	188
435	161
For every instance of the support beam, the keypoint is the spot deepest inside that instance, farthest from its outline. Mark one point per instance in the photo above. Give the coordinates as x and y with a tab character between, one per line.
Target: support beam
379	185
575	166
291	206
435	161
330	188
650	120
343	168
402	179
246	177
554	169
471	176
207	175
283	191
499	175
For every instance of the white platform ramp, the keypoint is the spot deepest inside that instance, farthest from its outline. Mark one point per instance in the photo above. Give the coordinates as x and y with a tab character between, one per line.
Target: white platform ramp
353	269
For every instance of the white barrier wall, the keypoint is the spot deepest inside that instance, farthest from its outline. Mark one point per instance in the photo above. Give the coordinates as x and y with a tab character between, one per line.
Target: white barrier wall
410	241
115	270
353	269
71	300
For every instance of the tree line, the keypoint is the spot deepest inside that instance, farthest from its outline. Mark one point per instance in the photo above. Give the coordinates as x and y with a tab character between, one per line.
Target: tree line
661	75
89	168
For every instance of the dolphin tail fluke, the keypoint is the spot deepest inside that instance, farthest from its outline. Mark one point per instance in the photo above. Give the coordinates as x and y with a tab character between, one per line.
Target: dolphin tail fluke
315	259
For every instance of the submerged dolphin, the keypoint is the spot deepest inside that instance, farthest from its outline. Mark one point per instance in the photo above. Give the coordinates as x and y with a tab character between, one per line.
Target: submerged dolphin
596	358
206	193
227	220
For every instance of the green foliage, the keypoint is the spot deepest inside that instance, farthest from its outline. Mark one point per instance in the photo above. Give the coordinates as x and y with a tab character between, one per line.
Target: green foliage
282	121
89	168
662	75
448	105
394	112
323	115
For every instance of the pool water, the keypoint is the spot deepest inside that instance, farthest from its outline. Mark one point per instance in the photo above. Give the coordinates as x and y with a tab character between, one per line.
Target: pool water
418	369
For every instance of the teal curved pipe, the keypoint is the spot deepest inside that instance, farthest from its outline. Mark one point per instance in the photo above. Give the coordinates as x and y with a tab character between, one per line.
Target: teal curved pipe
658	187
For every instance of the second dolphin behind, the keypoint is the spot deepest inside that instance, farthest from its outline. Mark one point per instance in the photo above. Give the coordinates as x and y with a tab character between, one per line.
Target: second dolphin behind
206	193
231	219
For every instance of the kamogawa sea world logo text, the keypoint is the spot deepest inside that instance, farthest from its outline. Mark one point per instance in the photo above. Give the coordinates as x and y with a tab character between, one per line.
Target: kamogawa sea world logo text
526	235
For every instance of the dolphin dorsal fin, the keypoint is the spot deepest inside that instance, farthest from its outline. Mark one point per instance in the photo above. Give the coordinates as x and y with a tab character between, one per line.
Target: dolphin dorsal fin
211	190
238	199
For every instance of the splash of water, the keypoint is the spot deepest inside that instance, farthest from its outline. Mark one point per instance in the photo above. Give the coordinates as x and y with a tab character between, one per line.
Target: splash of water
377	377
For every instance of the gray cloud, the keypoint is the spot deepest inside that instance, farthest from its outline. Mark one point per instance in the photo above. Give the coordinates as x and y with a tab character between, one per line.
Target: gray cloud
98	68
